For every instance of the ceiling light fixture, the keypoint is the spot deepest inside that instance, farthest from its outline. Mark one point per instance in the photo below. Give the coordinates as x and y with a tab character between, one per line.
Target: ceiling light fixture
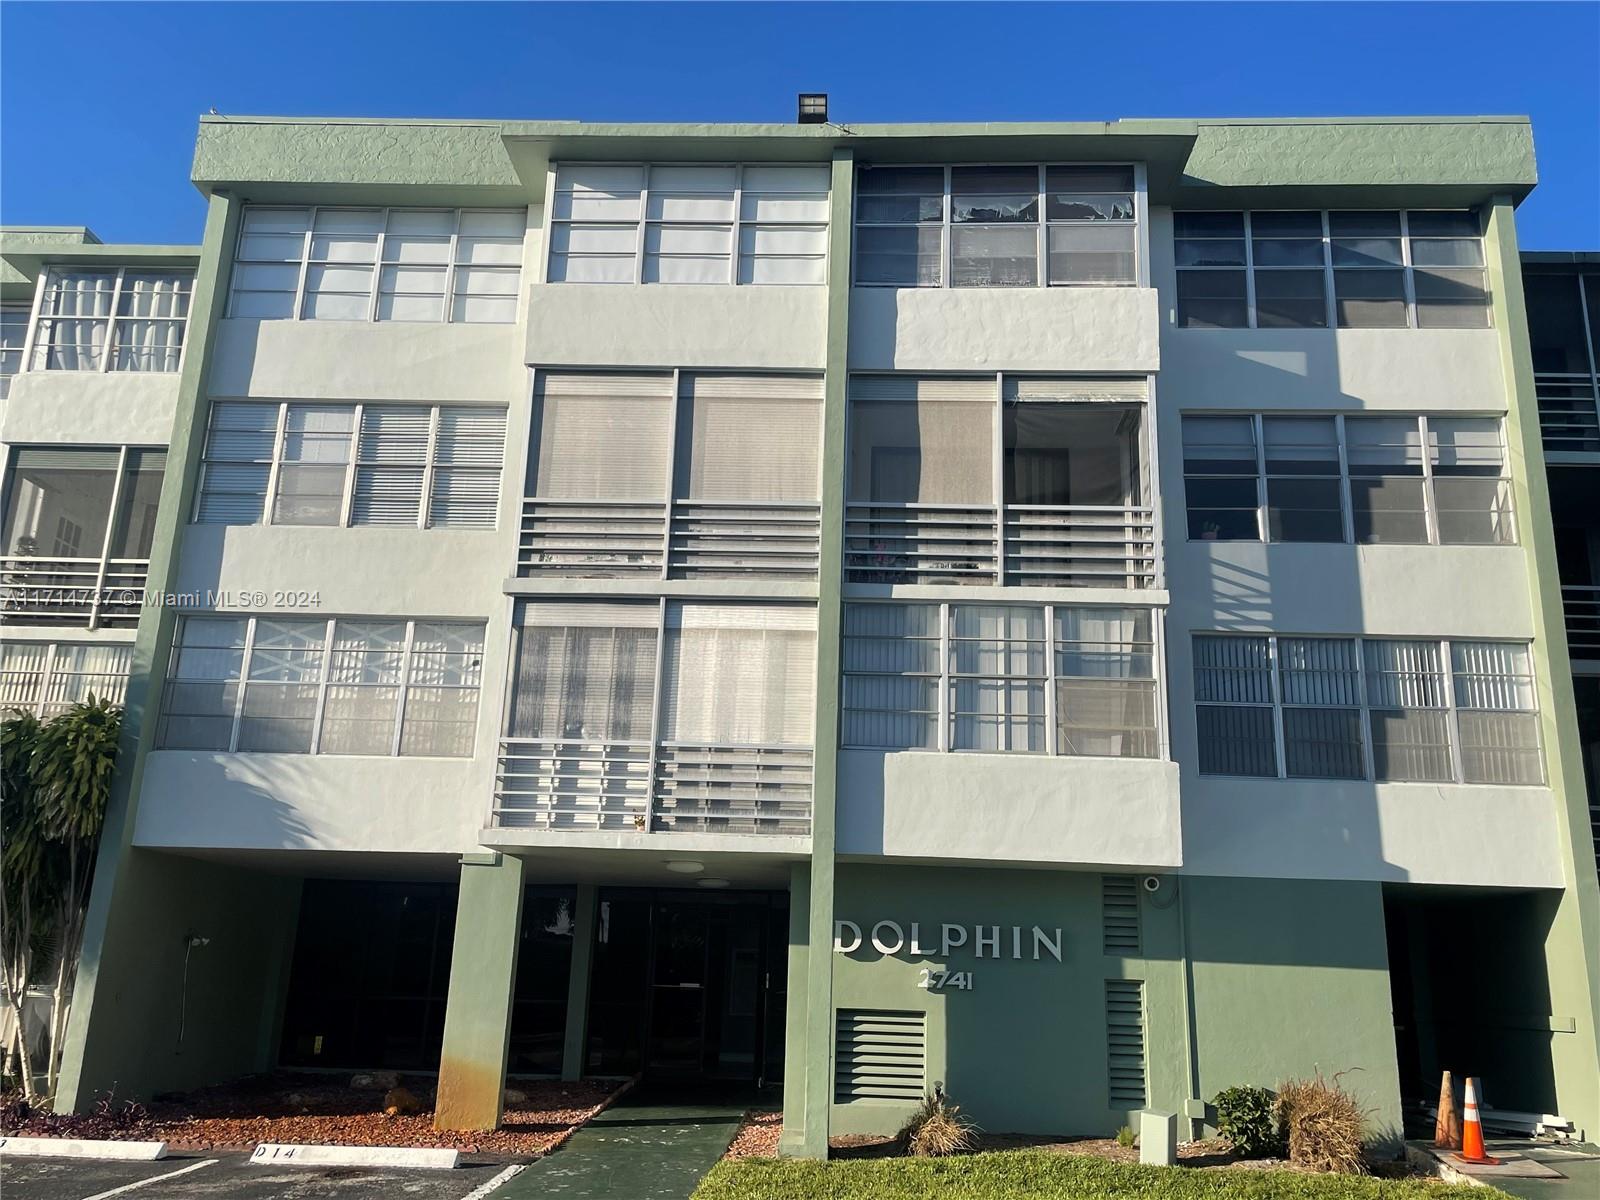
685	867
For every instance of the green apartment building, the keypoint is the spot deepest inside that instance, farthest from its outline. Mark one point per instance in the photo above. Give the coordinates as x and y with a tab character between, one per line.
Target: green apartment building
1063	611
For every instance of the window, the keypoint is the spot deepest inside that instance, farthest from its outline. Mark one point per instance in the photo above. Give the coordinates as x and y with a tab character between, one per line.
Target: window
1302	465
347	686
425	466
997	672
730	675
1348	478
1008	678
76	530
1387	709
1233	705
378	264
1105	683
585	683
996	226
720	481
1311	270
13	337
892	676
111	319
1221	478
754	224
1066	507
1497	713
46	678
739	675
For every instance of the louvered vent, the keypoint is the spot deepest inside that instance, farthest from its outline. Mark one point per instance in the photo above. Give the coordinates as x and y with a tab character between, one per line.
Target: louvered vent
1119	914
1125	1042
880	1055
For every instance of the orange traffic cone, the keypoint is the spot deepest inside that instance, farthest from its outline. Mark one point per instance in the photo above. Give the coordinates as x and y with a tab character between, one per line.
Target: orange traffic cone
1472	1131
1447	1126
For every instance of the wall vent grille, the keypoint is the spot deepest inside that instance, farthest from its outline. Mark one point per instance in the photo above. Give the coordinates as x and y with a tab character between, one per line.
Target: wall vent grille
1119	913
880	1055
1125	1042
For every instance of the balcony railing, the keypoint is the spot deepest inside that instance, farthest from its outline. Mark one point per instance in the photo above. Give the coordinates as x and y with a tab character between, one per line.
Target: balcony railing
1569	413
735	540
728	789
1582	606
708	540
588	786
572	784
592	538
1054	546
91	592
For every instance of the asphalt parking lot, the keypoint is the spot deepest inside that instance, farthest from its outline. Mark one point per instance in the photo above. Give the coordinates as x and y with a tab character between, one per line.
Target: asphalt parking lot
232	1177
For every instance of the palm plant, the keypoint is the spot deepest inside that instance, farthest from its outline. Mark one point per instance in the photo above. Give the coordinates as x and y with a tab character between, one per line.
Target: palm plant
57	782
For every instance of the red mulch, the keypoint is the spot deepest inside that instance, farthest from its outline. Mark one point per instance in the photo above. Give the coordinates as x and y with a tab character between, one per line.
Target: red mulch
321	1110
758	1136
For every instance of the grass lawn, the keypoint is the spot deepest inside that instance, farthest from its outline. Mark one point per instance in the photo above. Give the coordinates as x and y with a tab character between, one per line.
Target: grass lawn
1034	1175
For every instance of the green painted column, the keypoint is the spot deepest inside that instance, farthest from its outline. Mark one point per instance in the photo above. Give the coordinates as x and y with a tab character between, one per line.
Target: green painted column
573	1046
1572	942
483	976
817	981
94	1057
795	1062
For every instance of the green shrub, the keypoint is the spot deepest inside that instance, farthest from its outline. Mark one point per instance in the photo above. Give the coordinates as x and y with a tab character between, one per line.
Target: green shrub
1247	1117
1324	1125
937	1129
1126	1138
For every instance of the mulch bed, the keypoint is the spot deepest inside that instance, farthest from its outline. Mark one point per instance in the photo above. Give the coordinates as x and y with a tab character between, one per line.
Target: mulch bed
758	1136
319	1109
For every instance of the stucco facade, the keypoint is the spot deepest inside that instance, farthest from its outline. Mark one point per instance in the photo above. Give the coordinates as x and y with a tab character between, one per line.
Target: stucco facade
928	699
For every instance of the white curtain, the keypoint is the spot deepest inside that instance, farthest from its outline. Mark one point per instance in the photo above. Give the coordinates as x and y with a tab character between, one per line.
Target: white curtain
740	675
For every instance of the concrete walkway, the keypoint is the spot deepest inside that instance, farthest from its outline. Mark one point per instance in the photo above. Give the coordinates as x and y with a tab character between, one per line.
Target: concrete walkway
645	1147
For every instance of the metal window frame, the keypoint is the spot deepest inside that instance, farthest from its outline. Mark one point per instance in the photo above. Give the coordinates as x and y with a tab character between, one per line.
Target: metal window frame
945	678
1330	295
1140	222
736	223
353	462
1366	708
375	285
113	319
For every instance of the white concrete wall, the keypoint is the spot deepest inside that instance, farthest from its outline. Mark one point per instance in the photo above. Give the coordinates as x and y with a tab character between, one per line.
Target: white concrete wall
1394	832
1425	833
677	325
354	360
1065	329
202	800
1016	808
404	572
90	408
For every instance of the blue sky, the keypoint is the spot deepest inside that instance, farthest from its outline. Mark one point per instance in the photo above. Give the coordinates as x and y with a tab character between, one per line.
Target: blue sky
102	133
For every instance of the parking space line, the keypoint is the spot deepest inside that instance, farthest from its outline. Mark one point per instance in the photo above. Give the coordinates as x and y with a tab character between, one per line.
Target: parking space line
483	1189
128	1187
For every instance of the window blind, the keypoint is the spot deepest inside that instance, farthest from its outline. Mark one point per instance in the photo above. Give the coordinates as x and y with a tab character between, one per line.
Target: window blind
741	675
751	438
921	441
601	436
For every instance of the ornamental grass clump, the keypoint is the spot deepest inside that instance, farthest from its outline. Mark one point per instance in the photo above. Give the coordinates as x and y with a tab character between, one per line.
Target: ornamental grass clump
1323	1125
937	1129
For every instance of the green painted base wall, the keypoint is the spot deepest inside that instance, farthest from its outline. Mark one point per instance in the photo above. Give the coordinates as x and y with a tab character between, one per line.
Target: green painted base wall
230	1012
1285	977
1291	977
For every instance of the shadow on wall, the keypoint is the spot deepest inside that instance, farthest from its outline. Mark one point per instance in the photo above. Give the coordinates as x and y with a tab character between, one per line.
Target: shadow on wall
190	972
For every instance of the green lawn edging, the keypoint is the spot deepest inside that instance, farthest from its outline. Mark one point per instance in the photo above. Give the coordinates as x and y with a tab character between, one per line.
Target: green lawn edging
1037	1175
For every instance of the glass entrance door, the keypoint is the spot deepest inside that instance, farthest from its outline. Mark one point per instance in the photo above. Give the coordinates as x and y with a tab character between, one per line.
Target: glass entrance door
709	967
